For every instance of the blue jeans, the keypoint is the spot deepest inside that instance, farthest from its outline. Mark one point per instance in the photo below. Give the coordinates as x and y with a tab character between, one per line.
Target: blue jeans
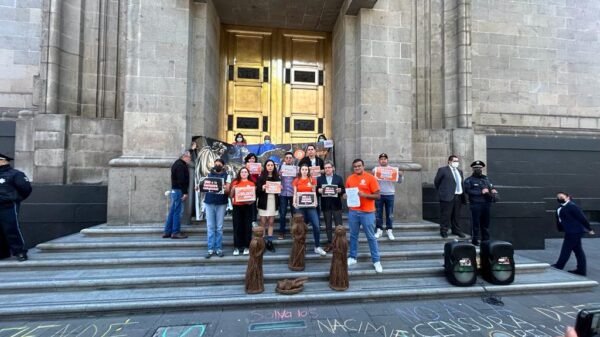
310	216
366	219
173	224
283	205
215	214
385	202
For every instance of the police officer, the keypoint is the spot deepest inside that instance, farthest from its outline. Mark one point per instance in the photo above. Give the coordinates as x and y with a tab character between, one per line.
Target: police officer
14	188
481	194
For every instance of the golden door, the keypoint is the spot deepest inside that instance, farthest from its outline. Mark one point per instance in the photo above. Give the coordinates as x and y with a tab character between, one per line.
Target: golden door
275	82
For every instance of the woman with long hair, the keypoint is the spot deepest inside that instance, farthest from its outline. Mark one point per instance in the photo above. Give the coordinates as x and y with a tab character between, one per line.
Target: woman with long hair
267	202
242	214
305	183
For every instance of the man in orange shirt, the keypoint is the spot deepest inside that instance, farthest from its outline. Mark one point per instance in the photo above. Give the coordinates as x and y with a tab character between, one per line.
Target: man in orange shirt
368	192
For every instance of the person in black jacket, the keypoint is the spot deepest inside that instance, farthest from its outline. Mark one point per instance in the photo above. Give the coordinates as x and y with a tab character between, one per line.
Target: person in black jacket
267	202
331	205
571	220
311	159
180	180
481	194
14	188
449	185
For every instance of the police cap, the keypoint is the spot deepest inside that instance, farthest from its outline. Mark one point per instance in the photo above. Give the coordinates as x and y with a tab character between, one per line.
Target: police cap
5	157
478	163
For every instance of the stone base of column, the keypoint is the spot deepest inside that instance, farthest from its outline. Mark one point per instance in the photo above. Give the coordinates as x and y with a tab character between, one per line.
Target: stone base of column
136	190
408	203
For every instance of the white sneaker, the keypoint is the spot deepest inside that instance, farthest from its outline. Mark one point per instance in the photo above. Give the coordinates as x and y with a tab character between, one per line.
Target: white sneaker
351	261
378	233
378	267
320	251
246	251
236	252
254	224
390	235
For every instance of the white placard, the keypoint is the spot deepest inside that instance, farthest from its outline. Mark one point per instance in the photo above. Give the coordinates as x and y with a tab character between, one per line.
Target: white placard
353	199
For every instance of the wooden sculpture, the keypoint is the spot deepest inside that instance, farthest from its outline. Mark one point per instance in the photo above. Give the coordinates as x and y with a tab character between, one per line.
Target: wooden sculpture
290	287
299	229
255	282
338	274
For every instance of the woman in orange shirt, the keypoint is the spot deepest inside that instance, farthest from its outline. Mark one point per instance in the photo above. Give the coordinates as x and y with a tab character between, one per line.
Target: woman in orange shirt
242	214
305	183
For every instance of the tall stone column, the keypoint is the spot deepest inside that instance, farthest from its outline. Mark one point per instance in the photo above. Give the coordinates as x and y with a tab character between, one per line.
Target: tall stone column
374	94
155	118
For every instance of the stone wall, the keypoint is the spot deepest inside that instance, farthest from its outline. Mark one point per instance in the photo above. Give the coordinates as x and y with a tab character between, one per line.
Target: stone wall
20	28
536	65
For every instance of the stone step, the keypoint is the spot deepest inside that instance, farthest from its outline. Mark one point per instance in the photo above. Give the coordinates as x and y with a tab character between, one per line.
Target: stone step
394	271
157	229
109	259
159	298
73	243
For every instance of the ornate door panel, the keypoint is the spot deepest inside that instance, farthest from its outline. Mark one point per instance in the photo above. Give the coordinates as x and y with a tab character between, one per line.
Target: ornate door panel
274	83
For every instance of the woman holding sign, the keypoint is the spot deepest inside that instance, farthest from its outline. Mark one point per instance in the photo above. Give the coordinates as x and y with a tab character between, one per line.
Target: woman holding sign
268	188
305	202
243	193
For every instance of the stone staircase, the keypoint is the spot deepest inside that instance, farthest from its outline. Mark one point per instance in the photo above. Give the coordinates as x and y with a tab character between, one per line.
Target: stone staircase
111	269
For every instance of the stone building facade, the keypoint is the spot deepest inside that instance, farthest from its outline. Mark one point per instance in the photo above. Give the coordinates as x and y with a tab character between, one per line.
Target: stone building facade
110	91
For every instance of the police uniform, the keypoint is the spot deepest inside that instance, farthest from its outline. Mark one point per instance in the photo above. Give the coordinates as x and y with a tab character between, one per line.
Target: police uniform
14	188
479	203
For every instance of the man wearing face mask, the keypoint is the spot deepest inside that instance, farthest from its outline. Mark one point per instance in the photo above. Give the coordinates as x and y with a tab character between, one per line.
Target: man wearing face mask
571	220
481	194
449	185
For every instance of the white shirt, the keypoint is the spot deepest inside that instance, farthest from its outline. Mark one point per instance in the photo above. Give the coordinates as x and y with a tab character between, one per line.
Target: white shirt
458	180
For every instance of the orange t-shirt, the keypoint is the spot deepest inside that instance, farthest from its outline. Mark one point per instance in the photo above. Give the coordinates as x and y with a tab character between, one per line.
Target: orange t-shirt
366	183
241	183
304	184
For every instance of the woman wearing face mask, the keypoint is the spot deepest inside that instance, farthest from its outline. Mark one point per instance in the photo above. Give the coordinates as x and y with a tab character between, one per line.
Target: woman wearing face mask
239	140
571	220
481	194
215	205
242	214
266	202
305	183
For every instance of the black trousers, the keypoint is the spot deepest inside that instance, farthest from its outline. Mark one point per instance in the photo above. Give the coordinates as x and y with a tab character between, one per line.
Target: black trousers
336	216
480	217
242	225
450	214
572	243
10	232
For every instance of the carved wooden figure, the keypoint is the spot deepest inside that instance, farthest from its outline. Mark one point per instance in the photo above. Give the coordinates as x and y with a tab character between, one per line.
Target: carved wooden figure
299	229
255	283
338	274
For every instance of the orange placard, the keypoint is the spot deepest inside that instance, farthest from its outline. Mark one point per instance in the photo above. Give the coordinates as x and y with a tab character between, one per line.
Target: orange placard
254	168
245	194
315	171
273	187
386	173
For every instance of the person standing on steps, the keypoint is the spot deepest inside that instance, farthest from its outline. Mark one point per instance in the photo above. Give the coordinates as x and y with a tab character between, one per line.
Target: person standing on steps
180	181
14	188
267	202
242	214
386	201
215	206
449	185
571	220
331	205
305	183
481	194
286	197
364	214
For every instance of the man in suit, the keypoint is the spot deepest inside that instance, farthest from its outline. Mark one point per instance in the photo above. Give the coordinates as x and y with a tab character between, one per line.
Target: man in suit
449	185
331	205
571	220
